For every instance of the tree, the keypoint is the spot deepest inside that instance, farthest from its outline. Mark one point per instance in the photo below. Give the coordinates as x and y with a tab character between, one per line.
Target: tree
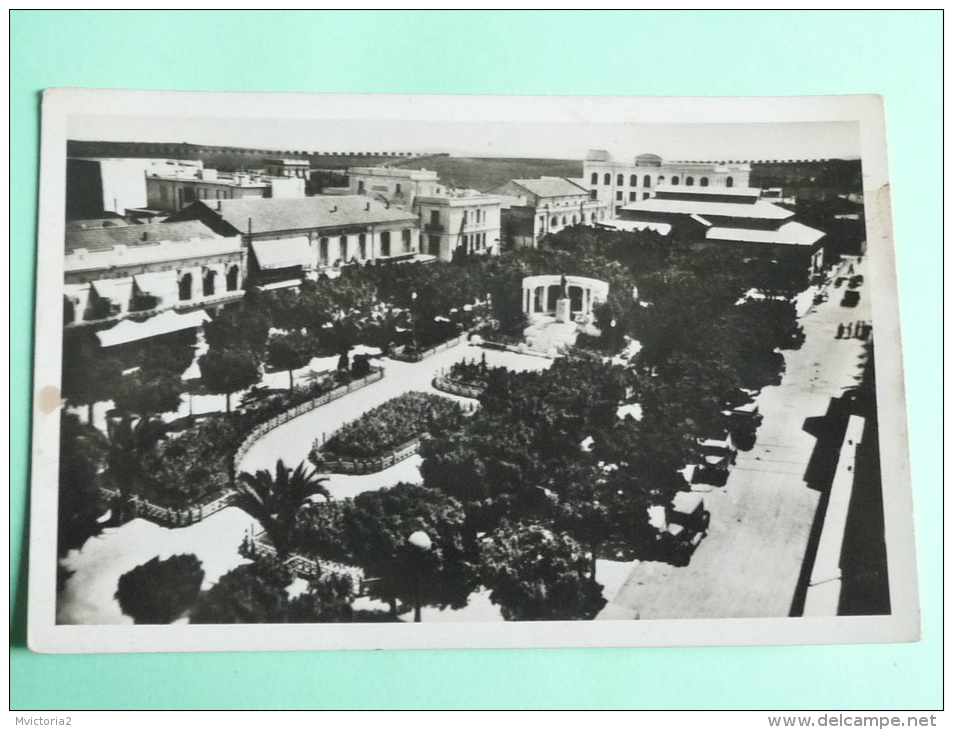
253	593
226	371
146	394
82	454
89	375
160	591
535	575
290	352
275	500
129	443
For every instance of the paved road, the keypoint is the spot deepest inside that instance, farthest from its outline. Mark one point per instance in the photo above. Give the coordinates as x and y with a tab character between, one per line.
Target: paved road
750	561
293	440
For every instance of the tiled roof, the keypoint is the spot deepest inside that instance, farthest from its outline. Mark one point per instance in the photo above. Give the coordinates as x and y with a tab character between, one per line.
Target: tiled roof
291	214
551	187
100	239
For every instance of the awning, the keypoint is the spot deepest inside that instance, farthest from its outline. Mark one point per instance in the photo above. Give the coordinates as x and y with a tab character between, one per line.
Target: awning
161	324
281	253
279	285
115	290
160	284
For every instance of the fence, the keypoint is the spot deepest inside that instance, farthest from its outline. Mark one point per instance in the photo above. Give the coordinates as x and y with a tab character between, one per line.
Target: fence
448	385
134	506
254	547
272	423
418	356
369	465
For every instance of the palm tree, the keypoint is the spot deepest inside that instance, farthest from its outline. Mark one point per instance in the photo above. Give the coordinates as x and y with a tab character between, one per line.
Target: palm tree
274	500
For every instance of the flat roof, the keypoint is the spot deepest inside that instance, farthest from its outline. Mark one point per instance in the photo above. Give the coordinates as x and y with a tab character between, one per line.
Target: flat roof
758	209
101	238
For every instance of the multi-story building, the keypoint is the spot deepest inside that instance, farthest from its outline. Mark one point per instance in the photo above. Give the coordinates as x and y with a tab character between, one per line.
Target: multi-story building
394	185
620	183
97	186
459	222
283	167
291	239
171	193
533	208
112	271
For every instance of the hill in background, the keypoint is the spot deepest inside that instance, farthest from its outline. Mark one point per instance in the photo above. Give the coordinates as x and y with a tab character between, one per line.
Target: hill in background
486	173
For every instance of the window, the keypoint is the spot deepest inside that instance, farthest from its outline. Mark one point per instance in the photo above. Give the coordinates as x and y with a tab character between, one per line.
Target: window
554	222
607	179
647	181
360	187
592	217
185	288
323	251
689	181
729	182
231	279
208	284
633	197
574	220
435	217
564	220
343	243
661	179
675	180
464	217
595	178
397	189
620	180
633	180
618	195
645	196
593	194
385	243
362	245
703	182
405	237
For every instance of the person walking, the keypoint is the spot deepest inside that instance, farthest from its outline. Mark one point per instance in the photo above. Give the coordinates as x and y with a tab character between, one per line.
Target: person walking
840	330
849	330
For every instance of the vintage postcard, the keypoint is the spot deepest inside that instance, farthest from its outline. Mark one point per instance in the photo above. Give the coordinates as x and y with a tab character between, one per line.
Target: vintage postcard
358	371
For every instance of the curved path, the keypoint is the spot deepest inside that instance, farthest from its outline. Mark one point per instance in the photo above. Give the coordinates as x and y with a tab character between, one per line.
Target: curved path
292	441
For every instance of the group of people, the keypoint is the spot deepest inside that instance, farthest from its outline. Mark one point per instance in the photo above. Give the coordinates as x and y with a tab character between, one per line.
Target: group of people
858	330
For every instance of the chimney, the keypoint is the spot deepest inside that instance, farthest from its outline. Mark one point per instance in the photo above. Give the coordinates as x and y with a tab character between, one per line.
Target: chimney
367	205
218	205
334	209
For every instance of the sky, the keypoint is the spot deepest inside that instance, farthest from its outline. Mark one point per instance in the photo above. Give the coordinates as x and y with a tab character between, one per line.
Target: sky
568	140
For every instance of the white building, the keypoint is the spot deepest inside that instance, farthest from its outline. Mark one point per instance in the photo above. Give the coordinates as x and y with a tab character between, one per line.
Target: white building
459	222
620	182
394	185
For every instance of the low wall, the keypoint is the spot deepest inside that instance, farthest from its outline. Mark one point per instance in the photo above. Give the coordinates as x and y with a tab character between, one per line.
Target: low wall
418	356
370	465
447	385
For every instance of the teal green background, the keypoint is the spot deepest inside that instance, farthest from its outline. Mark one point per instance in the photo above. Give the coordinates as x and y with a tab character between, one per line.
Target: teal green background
896	54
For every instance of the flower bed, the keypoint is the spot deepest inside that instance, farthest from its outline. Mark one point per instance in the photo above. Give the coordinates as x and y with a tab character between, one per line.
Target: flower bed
390	425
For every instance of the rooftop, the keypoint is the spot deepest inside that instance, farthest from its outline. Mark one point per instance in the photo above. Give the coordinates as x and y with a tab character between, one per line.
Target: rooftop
103	238
551	187
288	214
760	209
791	233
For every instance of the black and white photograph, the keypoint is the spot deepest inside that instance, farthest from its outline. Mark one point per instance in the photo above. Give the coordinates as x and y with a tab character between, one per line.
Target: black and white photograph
332	371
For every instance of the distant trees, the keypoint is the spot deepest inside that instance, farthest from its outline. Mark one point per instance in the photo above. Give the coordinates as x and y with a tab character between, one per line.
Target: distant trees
160	591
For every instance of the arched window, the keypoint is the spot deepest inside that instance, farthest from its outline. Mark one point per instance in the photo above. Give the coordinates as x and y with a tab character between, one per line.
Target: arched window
729	182
592	217
647	181
231	279
185	288
620	180
595	178
343	244
362	245
661	179
564	220
689	181
574	220
703	182
607	179
554	222
208	284
675	180
633	180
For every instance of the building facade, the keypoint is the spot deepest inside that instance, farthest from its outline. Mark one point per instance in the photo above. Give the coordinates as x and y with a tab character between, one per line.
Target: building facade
283	167
292	239
112	271
459	223
620	182
534	208
394	185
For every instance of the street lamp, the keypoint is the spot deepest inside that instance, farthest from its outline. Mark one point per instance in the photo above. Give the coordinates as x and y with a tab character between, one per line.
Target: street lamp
421	544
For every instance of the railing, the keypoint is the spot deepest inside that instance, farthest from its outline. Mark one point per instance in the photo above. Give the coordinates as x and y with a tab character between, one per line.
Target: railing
448	385
272	423
369	465
418	356
135	506
254	547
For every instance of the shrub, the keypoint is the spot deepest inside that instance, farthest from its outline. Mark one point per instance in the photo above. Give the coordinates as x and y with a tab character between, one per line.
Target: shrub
160	591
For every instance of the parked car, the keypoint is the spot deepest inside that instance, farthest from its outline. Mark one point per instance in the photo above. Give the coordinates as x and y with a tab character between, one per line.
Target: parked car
851	298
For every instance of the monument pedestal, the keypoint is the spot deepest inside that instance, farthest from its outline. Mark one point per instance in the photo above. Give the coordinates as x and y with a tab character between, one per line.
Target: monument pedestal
563	314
